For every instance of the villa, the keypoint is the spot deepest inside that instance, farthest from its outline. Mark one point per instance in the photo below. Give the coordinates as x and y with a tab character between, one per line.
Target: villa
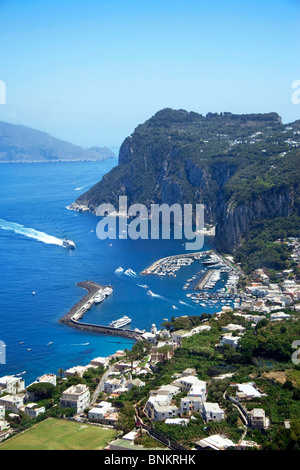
77	397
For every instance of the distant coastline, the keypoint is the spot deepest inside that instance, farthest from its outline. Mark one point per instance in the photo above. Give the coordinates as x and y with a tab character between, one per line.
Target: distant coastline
56	161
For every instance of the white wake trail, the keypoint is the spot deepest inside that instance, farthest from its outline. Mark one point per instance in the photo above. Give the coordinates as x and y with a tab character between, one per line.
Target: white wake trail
30	232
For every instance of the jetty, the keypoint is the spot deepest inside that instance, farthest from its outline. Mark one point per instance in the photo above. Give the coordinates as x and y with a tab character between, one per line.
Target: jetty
72	317
204	280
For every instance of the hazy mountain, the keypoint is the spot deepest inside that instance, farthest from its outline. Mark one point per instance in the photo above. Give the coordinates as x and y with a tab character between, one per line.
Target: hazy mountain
23	144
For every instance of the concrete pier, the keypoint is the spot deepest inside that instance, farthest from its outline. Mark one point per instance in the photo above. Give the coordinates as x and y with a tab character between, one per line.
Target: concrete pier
78	310
203	281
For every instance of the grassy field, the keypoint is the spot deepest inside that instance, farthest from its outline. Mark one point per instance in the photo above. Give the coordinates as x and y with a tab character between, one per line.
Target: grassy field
55	434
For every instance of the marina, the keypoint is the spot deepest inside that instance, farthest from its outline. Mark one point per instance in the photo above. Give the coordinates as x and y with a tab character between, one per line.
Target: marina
170	265
96	294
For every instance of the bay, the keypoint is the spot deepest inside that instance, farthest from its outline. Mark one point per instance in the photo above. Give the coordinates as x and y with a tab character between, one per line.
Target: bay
33	220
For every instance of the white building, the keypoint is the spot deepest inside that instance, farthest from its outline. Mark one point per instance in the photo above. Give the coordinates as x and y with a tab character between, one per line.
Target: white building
33	410
178	335
2	412
97	413
76	370
233	327
3	425
279	316
111	385
258	418
178	421
229	339
247	391
169	389
48	378
212	412
215	442
4	429
187	383
77	397
11	384
159	408
12	402
100	361
190	404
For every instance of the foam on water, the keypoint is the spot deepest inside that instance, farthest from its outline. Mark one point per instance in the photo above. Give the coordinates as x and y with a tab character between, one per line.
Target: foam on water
30	232
130	272
119	270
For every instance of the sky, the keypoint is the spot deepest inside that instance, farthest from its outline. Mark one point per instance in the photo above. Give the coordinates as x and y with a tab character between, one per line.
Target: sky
91	71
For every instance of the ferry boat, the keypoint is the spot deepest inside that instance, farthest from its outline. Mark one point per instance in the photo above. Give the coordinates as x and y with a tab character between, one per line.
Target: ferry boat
120	322
99	297
68	244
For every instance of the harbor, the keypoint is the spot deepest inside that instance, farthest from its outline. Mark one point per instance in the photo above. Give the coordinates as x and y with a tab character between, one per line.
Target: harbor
96	294
202	286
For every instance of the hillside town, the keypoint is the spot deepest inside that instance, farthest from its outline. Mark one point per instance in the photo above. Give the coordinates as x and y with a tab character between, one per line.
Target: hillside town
222	410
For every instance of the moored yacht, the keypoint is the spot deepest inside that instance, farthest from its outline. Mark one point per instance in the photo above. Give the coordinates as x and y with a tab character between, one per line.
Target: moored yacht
120	322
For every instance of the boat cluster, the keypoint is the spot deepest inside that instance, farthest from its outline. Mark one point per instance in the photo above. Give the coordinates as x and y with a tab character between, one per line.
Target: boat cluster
101	294
170	266
99	297
190	281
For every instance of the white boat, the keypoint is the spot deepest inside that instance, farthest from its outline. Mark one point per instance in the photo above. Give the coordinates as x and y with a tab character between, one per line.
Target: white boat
99	297
120	322
68	244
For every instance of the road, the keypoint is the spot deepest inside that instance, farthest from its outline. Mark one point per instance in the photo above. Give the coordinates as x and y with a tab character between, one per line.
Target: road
100	386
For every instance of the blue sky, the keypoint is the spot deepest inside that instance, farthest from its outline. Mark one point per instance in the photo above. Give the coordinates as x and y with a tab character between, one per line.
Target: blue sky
90	71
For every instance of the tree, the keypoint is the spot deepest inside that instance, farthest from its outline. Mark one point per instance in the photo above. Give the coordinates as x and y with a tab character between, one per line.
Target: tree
42	390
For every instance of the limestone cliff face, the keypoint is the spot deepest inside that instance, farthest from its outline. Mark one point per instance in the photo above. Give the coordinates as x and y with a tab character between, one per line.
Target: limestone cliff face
229	163
235	220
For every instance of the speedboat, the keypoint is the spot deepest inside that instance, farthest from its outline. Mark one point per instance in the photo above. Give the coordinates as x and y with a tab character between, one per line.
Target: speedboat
68	244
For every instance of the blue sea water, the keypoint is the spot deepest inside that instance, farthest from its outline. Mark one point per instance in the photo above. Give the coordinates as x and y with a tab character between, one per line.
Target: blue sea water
33	221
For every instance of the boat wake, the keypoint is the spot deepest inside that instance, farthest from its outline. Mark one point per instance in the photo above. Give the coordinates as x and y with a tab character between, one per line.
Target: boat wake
152	294
184	303
119	270
83	187
130	272
30	232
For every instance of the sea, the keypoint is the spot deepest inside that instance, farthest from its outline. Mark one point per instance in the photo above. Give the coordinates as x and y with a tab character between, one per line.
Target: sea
38	276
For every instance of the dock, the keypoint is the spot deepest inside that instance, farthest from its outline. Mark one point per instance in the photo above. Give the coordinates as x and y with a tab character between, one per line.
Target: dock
80	308
203	281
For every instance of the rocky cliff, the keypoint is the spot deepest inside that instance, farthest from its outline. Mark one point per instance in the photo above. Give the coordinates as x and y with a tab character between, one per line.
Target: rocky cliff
241	167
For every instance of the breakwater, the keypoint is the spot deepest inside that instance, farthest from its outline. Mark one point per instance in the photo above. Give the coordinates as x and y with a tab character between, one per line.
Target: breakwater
80	308
203	281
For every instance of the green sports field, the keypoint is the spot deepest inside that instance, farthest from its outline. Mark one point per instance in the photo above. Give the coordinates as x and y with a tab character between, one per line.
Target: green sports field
56	434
